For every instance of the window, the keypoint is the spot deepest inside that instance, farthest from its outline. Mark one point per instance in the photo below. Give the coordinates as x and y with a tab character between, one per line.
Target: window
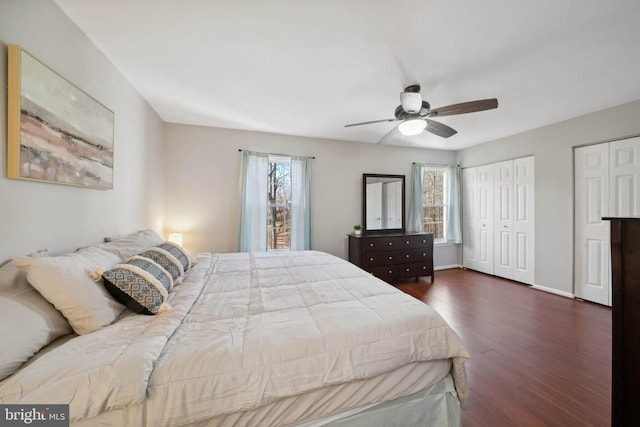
435	202
279	203
274	203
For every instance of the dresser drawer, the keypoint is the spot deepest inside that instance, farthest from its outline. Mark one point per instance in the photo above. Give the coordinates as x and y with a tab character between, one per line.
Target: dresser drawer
381	258
395	257
388	273
386	243
374	244
415	269
417	241
414	255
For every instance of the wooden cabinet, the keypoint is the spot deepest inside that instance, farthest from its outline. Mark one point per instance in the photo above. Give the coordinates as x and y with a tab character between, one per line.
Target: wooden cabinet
625	278
393	256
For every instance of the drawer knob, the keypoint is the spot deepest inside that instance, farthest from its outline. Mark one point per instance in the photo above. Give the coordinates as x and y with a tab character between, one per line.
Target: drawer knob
424	267
371	244
407	255
424	241
390	271
390	257
407	269
371	259
390	243
407	242
423	254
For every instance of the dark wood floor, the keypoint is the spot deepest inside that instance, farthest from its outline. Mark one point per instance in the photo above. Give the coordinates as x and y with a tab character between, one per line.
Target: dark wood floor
537	359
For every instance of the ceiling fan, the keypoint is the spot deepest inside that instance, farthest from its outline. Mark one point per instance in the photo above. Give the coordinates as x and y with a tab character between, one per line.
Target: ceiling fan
414	114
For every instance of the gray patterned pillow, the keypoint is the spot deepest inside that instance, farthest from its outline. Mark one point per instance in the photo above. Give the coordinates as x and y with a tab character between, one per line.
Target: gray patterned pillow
178	252
141	284
166	261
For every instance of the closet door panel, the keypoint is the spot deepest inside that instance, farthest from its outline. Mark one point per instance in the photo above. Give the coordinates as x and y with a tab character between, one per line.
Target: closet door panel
591	270
485	262
504	219
523	219
624	173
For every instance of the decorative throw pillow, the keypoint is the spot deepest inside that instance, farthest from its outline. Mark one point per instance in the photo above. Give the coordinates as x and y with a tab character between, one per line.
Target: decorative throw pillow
141	284
178	252
65	281
166	261
29	322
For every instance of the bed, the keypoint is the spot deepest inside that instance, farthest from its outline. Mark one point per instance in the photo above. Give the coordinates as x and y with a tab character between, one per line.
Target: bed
277	338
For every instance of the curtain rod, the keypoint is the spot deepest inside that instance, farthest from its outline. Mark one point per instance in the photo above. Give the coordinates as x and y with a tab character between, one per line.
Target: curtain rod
433	164
278	154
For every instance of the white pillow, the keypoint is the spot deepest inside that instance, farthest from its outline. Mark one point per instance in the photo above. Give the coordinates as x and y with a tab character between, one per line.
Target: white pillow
66	282
132	244
28	321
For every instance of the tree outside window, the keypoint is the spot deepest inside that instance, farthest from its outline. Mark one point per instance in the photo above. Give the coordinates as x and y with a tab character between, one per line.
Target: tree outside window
435	203
279	207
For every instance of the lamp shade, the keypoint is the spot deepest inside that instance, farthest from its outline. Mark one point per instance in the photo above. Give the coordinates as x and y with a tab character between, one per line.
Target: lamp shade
175	238
412	127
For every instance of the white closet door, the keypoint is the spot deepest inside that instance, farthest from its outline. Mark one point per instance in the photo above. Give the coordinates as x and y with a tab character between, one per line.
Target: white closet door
374	206
591	275
523	219
485	219
504	219
392	204
470	218
624	173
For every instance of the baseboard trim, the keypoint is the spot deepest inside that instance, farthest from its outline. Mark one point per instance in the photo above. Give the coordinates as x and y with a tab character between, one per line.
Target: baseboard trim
554	291
447	267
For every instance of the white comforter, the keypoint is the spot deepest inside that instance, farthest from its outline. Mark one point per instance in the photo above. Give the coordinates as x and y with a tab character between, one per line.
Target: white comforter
244	330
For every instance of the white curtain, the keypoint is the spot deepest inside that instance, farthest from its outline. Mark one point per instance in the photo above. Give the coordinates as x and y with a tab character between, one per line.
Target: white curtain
454	232
300	204
252	206
416	208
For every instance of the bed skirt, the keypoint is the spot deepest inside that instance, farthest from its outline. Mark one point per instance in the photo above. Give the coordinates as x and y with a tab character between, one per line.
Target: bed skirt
435	406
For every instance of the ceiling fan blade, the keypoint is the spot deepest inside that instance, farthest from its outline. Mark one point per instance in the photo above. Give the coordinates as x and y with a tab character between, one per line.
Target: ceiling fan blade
440	129
465	107
373	121
387	135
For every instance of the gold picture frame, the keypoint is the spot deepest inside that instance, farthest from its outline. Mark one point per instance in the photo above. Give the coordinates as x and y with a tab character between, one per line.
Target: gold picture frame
55	132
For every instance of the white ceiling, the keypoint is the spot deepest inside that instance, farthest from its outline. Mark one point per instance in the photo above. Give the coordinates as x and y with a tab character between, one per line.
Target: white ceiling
308	68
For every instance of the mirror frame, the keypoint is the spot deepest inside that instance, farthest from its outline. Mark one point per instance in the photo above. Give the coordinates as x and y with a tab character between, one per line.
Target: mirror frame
365	230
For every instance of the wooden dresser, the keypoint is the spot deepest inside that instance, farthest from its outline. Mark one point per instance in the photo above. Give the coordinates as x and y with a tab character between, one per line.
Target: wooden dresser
625	320
393	256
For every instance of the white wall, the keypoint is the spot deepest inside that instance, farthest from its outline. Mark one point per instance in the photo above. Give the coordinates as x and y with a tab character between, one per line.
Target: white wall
203	168
552	147
35	215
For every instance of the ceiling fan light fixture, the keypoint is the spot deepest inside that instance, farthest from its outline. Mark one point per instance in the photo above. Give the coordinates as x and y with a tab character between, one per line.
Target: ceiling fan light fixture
411	102
412	127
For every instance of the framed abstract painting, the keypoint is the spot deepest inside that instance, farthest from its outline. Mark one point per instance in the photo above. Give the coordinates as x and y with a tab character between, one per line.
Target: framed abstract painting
55	132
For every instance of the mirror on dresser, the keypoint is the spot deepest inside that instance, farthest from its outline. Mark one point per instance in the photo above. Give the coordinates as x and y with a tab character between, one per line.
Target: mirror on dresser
383	201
